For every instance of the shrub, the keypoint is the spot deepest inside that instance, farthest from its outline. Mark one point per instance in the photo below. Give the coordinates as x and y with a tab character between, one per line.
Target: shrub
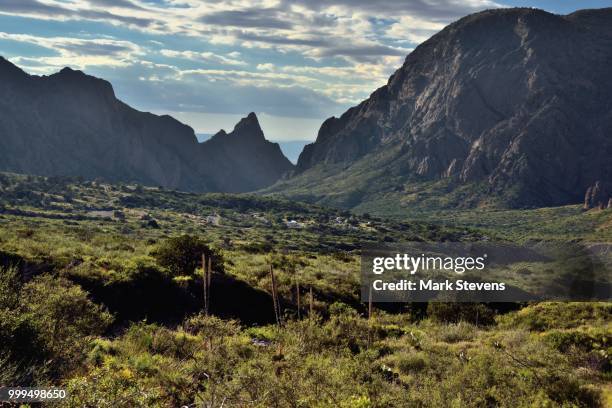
556	315
456	332
408	363
476	313
10	285
133	288
63	316
258	247
182	255
211	327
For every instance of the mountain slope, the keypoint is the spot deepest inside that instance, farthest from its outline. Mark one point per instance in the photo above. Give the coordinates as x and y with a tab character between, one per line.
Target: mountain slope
511	106
72	124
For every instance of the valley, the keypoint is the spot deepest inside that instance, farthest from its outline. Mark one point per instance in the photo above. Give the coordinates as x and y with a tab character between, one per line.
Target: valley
142	265
113	252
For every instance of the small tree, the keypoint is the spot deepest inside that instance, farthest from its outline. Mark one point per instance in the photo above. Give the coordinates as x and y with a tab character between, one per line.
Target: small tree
182	255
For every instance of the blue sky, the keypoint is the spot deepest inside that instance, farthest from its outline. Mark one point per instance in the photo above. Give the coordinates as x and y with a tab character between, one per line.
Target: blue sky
208	63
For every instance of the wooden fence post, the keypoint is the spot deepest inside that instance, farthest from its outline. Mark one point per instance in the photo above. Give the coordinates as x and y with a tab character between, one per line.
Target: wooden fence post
209	283
311	306
276	303
299	306
370	303
205	284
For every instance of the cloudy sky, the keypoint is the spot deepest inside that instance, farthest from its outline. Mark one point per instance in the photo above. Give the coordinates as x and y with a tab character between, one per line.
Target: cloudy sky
208	63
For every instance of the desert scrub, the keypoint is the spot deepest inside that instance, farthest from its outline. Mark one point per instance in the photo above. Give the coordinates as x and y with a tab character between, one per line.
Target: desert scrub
454	332
557	315
410	363
476	313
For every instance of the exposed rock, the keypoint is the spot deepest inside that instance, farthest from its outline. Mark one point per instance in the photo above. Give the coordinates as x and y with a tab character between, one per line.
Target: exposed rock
71	124
599	195
516	99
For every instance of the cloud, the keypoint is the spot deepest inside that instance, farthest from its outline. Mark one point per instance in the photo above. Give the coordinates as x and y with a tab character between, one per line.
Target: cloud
435	10
409	29
29	6
295	58
220	91
127	4
114	18
266	67
231	59
282	40
76	11
365	50
252	17
78	53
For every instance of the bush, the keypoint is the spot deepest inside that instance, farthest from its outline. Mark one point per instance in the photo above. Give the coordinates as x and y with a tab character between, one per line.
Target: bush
456	332
590	348
555	315
182	255
475	313
408	363
63	315
258	247
212	328
132	289
10	285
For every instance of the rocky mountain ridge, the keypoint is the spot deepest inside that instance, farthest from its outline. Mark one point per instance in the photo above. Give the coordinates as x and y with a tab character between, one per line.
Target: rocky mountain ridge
71	124
515	102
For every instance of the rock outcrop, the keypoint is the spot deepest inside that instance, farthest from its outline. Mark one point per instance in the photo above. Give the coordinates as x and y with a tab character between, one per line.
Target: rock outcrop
599	195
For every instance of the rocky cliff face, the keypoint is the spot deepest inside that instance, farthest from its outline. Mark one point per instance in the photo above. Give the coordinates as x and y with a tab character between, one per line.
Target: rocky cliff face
72	124
517	100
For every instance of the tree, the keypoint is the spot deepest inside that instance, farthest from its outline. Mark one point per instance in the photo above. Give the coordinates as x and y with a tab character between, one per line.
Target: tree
182	255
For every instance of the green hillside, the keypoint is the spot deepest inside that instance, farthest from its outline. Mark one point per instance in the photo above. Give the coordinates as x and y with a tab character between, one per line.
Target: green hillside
101	293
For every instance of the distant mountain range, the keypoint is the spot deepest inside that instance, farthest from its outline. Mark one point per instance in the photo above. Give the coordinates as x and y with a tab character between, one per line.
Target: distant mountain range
510	107
71	124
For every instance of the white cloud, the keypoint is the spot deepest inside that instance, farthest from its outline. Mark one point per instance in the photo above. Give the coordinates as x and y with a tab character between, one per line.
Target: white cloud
205	57
266	67
75	52
340	50
413	30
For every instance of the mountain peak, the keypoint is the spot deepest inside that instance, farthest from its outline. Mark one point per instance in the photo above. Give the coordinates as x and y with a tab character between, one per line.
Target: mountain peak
69	72
82	83
249	126
8	68
217	136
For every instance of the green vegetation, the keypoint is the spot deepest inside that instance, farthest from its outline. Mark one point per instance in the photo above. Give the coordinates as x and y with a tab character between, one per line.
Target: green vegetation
365	188
101	293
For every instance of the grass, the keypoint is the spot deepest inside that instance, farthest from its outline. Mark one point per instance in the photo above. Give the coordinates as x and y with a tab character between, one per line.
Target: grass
97	243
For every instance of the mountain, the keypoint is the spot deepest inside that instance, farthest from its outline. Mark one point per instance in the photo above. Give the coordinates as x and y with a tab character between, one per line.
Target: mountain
510	107
244	159
71	124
